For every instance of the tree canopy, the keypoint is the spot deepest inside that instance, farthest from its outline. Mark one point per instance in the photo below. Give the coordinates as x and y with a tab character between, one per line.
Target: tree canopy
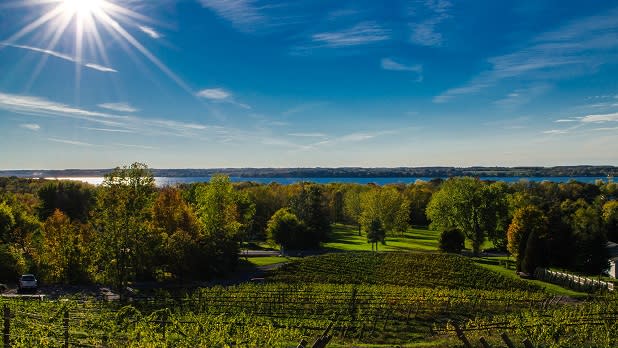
467	204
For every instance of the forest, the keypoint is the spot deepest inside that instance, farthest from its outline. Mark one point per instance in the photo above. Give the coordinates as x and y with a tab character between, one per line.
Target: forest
127	229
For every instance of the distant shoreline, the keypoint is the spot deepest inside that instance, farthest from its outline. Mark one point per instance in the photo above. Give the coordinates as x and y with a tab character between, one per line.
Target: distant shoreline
344	172
171	181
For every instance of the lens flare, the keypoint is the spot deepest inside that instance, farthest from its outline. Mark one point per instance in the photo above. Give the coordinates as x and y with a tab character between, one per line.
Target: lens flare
85	21
82	7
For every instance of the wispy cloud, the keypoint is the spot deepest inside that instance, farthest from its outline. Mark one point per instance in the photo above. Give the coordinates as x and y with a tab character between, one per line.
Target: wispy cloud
303	108
220	95
355	137
433	13
307	135
315	140
120	107
38	106
556	131
179	125
31	126
425	33
603	129
600	118
584	124
453	92
69	142
214	94
100	67
360	34
577	48
342	13
605	96
392	65
110	130
145	147
61	56
150	32
243	14
600	105
522	96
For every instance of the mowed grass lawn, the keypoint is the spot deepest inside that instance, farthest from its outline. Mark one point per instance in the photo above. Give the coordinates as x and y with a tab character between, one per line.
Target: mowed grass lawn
268	260
346	238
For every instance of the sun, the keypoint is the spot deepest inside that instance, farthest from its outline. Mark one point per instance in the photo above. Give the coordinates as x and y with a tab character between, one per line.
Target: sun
91	24
82	7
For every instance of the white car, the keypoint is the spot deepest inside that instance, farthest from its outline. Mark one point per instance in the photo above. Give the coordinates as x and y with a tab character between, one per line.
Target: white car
27	281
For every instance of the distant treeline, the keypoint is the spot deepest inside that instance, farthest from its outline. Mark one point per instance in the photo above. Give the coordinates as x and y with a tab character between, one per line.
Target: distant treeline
344	172
127	229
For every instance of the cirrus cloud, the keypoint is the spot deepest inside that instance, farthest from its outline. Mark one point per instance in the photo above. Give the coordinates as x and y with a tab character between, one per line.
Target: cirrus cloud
214	94
31	126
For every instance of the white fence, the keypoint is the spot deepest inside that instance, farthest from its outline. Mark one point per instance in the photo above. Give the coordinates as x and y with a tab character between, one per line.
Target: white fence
572	281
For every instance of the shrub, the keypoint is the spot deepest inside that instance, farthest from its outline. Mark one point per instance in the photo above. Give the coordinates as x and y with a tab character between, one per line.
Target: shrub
452	241
12	263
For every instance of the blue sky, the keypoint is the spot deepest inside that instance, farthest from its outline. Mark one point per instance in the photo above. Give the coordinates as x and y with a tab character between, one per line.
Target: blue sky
263	83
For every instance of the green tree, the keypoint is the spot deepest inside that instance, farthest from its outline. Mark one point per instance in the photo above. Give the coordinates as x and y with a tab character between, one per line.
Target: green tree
24	233
286	230
527	221
267	200
12	263
389	206
310	207
222	217
62	255
610	219
375	233
7	222
535	253
74	199
419	194
352	205
499	191
402	216
184	249
336	205
123	235
467	204
591	241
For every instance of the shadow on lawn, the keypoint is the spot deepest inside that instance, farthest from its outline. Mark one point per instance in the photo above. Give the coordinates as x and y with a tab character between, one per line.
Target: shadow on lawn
344	241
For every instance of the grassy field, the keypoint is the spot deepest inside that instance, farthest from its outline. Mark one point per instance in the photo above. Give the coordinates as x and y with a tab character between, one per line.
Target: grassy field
548	287
346	238
269	260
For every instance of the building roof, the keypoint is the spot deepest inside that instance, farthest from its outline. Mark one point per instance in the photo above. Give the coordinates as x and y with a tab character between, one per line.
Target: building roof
612	250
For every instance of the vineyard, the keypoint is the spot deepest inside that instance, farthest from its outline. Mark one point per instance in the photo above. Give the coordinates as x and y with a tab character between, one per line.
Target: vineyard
589	324
436	270
259	315
404	299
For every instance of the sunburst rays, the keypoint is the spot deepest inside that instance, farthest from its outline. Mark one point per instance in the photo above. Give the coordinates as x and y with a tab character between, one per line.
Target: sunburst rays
87	23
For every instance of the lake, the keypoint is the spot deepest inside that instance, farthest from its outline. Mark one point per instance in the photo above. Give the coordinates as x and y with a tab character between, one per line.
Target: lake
165	181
